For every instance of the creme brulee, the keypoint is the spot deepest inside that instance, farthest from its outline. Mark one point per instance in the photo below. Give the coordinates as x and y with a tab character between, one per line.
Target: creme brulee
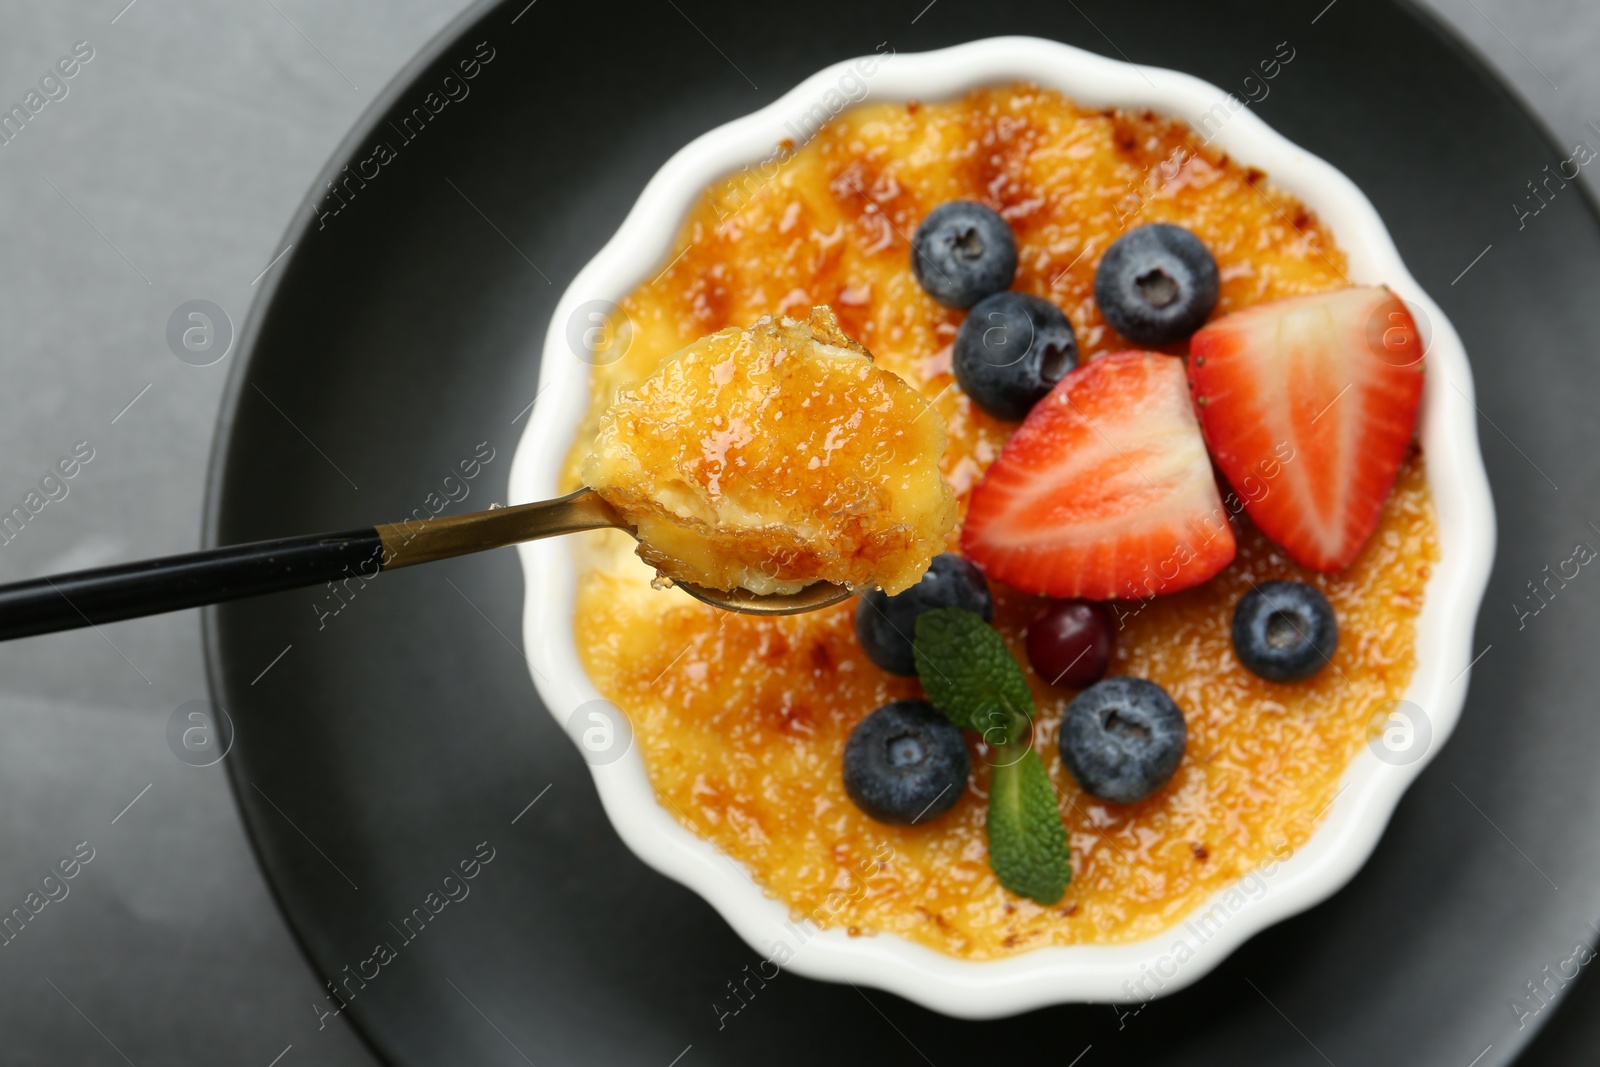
769	458
741	721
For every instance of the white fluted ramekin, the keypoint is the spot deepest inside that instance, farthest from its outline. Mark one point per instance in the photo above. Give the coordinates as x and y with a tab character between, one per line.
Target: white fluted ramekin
1371	787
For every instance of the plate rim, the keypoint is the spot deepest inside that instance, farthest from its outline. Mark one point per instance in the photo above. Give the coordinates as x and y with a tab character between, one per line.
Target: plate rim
223	442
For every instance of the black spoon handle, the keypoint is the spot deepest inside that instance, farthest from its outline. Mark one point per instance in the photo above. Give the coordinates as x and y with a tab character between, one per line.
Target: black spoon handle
154	586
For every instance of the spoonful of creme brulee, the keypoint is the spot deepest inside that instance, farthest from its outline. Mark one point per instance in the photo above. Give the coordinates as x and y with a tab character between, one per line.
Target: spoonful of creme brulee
776	469
769	470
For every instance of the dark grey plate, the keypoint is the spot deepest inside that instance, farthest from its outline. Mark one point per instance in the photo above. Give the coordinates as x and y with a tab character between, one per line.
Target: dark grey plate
394	736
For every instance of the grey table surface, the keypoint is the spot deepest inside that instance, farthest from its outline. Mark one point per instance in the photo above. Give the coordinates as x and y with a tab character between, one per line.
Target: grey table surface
168	173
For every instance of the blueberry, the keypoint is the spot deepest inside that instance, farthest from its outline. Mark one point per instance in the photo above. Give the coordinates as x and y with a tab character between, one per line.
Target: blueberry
962	252
1011	351
1156	284
1122	738
1284	631
886	625
905	763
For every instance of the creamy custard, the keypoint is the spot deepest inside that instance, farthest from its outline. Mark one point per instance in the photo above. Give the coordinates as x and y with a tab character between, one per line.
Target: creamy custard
742	721
771	457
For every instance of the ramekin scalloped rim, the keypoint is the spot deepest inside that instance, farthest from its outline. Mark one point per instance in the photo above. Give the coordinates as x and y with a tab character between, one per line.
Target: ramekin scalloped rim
1370	788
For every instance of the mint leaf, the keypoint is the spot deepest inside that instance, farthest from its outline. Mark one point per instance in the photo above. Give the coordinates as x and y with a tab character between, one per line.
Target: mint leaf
1027	842
969	675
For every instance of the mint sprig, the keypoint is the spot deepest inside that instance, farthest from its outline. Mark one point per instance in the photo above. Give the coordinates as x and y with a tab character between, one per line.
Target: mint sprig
1027	841
969	675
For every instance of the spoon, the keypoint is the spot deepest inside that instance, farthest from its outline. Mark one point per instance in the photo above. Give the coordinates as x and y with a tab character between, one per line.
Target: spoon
171	583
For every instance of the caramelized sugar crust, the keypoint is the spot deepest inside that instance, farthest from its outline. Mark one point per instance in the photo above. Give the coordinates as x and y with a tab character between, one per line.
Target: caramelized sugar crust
742	721
775	456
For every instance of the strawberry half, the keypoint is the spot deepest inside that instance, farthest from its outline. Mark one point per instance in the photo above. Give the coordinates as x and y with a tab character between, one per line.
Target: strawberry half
1308	405
1104	491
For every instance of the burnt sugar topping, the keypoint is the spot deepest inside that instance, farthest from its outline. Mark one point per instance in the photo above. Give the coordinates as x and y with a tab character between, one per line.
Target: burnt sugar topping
770	457
1198	549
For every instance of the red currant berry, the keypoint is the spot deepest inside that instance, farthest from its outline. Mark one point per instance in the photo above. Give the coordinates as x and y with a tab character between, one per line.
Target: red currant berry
1069	643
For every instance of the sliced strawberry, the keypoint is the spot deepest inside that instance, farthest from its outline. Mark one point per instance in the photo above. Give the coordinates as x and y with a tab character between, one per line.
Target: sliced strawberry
1308	405
1104	491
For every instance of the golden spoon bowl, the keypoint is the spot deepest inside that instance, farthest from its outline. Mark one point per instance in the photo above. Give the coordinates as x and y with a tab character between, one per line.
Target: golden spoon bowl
456	535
